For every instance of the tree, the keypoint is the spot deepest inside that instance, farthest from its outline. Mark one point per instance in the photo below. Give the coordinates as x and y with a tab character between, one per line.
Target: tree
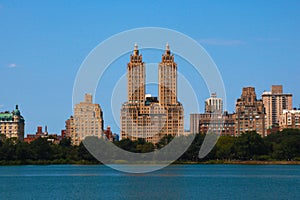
225	147
127	145
192	152
284	145
164	141
41	149
145	148
249	145
8	149
65	142
23	151
84	154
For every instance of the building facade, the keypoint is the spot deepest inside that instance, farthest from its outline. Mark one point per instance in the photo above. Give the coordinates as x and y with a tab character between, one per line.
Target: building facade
250	114
220	123
289	119
54	138
194	123
223	124
213	119
12	124
214	104
275	102
87	121
110	136
149	117
69	127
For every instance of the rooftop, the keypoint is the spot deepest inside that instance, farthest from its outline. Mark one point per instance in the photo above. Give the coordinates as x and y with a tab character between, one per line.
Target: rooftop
8	116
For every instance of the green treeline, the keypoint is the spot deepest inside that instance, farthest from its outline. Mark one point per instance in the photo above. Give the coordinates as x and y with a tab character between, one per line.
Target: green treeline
280	146
41	151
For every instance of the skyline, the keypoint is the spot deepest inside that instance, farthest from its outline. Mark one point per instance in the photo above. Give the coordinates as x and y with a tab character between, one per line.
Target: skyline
43	47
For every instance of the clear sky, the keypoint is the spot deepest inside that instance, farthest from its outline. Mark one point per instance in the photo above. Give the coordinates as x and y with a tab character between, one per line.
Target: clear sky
42	45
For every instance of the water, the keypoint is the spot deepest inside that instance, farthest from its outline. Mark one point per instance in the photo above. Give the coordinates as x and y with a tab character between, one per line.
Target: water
173	182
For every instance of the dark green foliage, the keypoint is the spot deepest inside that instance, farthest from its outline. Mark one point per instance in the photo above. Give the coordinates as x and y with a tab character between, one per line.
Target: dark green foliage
225	148
41	151
164	141
84	154
284	145
139	146
192	152
249	145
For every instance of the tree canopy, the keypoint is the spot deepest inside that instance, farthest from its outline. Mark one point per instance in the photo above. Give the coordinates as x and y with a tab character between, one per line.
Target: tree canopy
283	145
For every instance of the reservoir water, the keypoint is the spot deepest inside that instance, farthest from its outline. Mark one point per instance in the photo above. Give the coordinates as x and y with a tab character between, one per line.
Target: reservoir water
173	182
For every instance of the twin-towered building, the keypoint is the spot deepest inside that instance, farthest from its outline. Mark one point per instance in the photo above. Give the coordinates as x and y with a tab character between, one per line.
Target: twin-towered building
151	118
142	116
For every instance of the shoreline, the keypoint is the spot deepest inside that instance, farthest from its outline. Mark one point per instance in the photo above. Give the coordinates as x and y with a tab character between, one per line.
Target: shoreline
209	162
243	162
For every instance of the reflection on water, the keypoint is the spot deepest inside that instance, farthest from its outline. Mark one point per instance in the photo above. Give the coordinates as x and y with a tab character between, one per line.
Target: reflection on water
173	182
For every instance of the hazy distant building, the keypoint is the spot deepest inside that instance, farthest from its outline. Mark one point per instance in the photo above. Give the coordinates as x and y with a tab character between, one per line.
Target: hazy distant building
250	115
213	104
87	121
12	124
289	119
149	117
194	122
275	102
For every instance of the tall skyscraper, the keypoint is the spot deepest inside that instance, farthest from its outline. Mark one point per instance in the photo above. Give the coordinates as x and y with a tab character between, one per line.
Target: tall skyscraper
167	79
12	124
87	121
213	104
136	78
250	115
275	102
149	117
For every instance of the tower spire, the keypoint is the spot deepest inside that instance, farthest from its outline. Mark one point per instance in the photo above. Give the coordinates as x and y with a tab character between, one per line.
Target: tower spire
135	50
167	79
167	46
168	49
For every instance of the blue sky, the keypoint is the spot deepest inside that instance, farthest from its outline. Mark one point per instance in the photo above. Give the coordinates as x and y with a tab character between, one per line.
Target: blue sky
42	45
